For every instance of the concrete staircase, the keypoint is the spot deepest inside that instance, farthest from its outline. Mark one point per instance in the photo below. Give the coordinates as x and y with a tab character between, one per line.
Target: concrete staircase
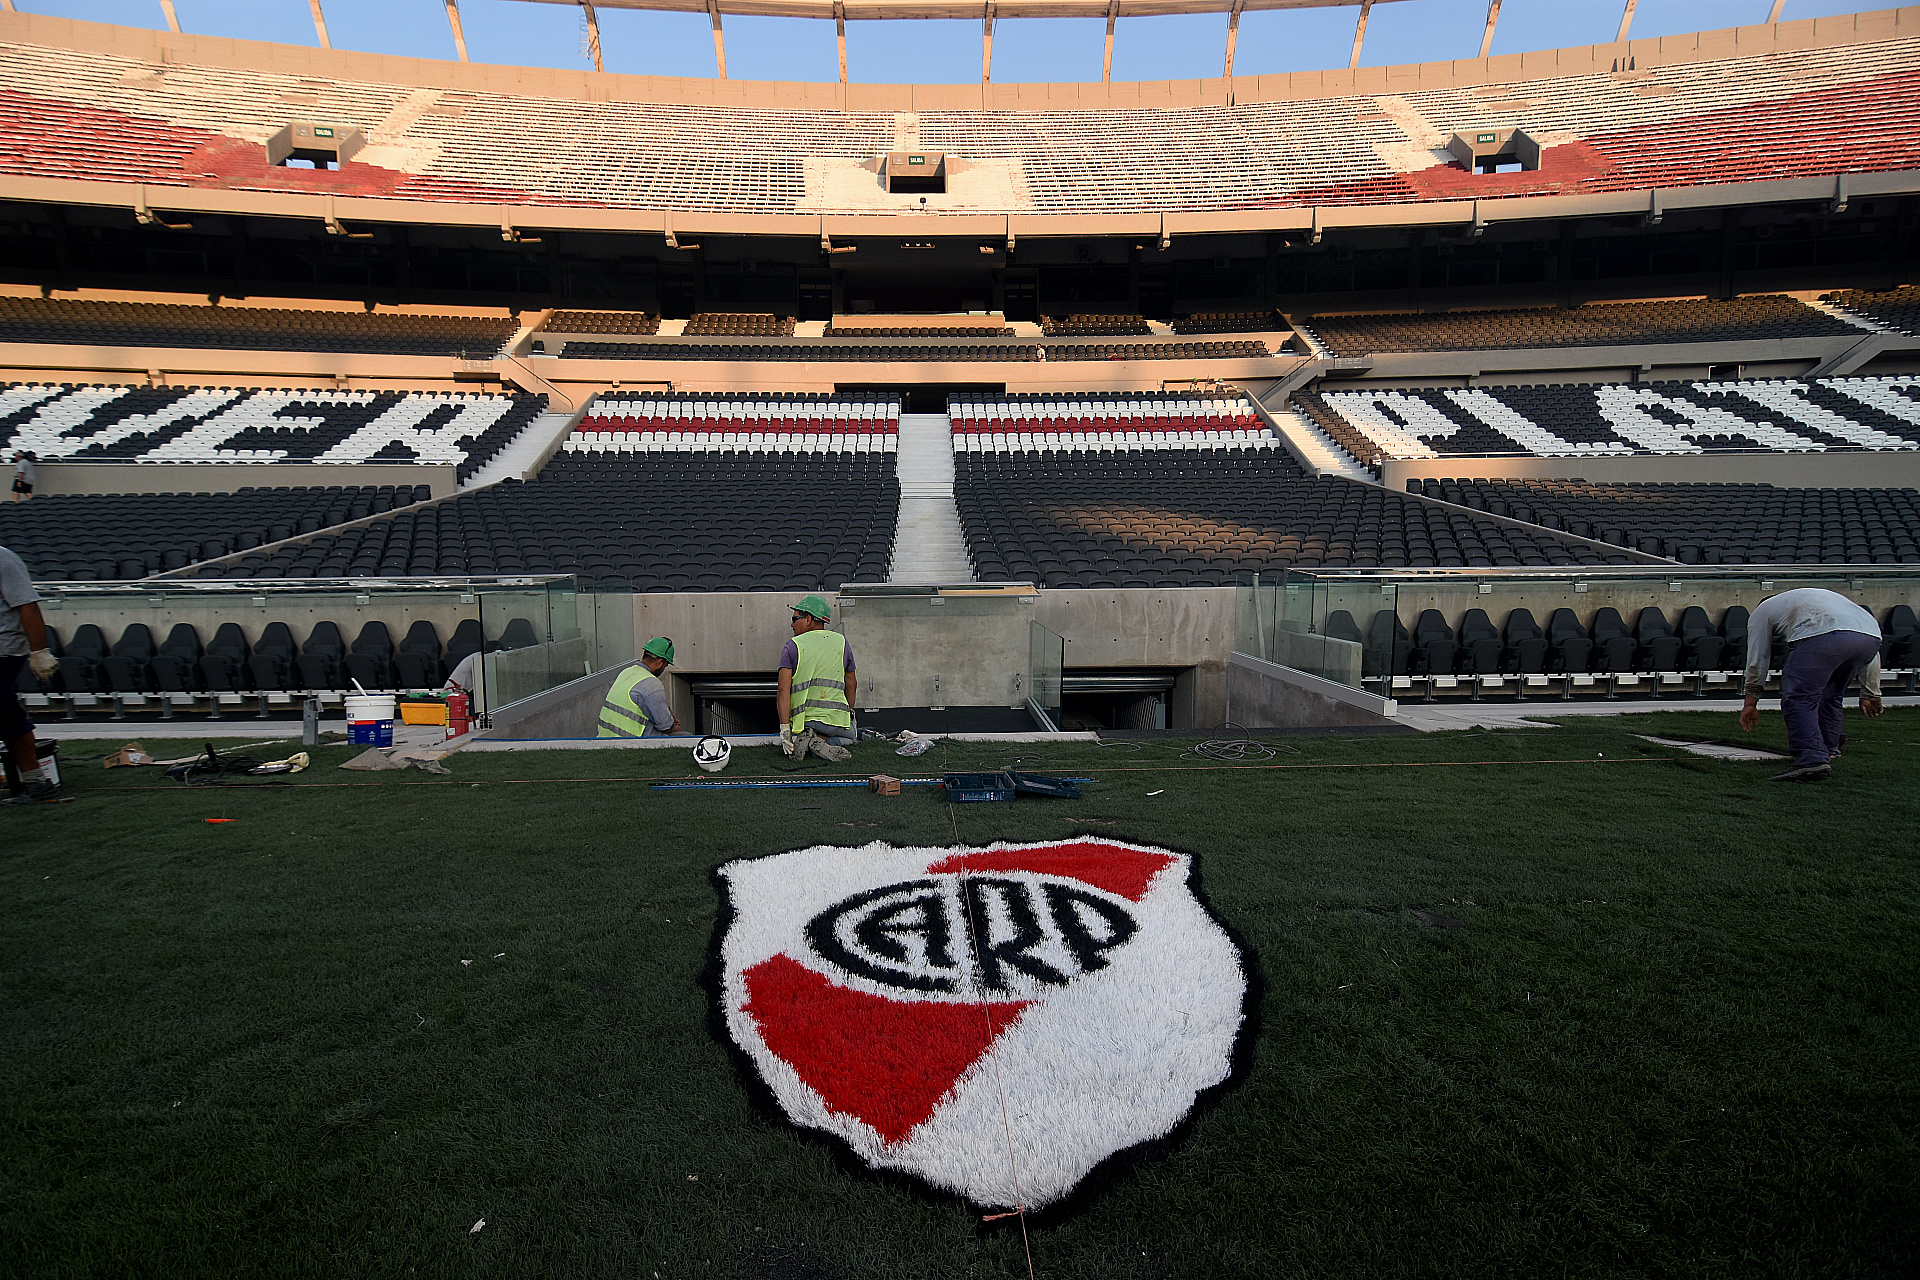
927	544
524	452
1315	448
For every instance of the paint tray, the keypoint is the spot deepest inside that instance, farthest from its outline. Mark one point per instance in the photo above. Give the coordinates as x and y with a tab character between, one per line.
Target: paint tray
1039	784
971	788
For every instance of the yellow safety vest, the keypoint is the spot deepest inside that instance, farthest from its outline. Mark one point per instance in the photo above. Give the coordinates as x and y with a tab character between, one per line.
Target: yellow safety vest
820	680
619	717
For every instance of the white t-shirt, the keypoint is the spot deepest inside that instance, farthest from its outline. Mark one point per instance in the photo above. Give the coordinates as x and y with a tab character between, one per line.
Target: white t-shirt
1802	614
16	589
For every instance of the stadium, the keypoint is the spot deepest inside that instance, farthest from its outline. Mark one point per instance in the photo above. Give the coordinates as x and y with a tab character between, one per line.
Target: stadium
1357	480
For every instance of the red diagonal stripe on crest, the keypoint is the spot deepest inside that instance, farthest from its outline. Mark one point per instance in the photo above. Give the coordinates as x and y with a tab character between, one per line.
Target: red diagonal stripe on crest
886	1062
1121	871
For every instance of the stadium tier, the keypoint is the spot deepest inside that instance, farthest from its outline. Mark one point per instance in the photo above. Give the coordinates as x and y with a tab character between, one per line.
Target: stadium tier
1710	523
1897	309
622	322
151	324
1198	517
1049	423
87	114
225	424
1594	325
913	331
1094	326
110	537
810	351
721	324
693	521
931	352
1616	420
651	422
1229	322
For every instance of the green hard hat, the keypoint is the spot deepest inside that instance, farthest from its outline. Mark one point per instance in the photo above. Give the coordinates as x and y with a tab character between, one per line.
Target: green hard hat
659	647
816	606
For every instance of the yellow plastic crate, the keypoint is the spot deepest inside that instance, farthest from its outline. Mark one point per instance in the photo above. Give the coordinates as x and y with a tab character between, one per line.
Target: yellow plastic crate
423	713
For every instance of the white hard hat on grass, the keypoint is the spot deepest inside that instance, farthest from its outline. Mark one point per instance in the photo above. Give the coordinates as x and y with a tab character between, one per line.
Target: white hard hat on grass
712	754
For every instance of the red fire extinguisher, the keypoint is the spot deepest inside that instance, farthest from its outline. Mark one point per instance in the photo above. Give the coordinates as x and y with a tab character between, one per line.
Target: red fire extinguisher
459	715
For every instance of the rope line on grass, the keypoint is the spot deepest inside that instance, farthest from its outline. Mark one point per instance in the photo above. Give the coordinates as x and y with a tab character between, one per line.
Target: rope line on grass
1215	768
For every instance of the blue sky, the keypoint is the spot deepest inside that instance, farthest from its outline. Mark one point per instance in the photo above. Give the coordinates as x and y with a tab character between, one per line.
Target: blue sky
550	35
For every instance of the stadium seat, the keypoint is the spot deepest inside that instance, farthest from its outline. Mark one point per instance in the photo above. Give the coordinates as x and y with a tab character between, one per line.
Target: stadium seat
1657	647
1703	645
1733	630
1570	643
321	657
271	664
1526	644
176	668
1433	644
128	666
1614	647
1480	646
1389	647
1900	638
224	667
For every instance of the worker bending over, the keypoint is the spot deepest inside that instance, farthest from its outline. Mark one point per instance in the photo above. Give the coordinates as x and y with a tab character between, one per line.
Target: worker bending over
636	705
1834	642
23	643
816	687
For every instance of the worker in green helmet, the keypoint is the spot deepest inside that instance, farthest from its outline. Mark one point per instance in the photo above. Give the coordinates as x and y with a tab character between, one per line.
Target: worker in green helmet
636	705
816	687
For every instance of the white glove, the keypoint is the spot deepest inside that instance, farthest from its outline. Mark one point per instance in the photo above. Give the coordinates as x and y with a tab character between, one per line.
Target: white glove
43	664
786	738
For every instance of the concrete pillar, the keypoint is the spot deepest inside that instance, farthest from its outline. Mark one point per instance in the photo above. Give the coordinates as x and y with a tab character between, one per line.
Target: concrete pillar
986	45
1486	37
319	24
1359	33
719	42
1626	19
593	34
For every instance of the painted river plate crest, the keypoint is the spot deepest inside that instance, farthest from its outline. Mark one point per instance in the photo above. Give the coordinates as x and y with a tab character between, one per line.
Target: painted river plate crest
994	1021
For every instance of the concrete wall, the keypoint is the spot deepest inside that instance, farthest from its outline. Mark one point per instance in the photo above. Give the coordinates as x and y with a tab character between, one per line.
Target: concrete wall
212	477
940	651
1178	627
1263	695
1875	469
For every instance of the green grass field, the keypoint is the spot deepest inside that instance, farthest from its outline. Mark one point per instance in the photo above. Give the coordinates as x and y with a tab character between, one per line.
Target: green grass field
1677	1035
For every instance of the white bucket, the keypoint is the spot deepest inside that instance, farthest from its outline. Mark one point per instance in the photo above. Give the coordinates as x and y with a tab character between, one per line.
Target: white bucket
370	719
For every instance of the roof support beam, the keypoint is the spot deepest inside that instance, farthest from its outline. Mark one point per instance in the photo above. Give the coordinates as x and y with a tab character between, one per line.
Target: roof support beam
1486	37
1626	20
1106	60
173	19
593	33
1773	14
986	43
840	31
1359	33
719	41
459	33
1233	37
319	24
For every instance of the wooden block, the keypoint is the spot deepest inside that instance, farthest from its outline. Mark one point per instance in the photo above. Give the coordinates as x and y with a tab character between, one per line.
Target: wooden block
881	784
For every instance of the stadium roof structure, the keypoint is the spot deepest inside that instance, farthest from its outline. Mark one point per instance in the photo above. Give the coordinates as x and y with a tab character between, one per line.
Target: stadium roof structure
164	123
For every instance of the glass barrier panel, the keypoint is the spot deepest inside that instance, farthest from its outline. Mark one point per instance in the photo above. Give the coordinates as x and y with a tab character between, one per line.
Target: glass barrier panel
1046	659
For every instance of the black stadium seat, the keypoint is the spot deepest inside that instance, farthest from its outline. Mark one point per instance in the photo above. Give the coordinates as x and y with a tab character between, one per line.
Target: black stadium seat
1480	647
1658	648
271	665
1613	644
1526	644
1703	645
1433	644
223	667
1569	641
127	667
176	668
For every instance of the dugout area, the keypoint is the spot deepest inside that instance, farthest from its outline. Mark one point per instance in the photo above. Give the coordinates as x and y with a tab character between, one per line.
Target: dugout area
1524	1002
